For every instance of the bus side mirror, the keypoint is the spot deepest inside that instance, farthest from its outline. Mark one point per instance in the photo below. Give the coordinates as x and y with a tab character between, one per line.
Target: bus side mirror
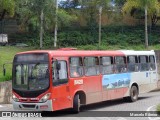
57	65
4	69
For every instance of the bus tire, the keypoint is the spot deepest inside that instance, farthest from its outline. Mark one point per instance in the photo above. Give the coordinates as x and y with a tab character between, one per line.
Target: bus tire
133	94
76	104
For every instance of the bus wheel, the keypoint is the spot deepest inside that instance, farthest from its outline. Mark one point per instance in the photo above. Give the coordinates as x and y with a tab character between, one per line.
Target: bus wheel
76	104
133	94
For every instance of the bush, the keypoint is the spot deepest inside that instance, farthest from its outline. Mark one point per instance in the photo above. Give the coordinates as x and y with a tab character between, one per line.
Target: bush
74	38
111	35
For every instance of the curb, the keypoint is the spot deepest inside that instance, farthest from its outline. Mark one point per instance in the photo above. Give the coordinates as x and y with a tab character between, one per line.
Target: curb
155	90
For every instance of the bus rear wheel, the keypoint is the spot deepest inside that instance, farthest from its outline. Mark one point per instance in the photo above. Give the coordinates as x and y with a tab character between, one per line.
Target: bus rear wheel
76	104
133	94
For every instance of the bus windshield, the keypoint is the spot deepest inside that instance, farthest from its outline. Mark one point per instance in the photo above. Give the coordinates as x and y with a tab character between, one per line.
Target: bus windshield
30	75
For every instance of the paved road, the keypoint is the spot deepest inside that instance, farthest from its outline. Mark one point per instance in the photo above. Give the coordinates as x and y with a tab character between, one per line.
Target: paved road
146	102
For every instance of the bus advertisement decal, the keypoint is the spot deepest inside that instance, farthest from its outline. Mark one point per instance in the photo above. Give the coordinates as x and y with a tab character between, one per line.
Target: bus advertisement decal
116	81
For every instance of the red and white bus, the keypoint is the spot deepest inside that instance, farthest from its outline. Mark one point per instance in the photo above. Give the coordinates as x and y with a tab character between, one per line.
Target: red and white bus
60	79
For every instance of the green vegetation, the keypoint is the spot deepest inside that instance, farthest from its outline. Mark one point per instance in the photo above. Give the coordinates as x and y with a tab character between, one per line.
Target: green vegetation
158	109
6	7
111	36
78	24
6	56
151	6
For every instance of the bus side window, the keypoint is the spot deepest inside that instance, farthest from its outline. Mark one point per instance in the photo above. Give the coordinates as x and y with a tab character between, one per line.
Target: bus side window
143	62
106	65
133	64
120	64
152	65
91	65
76	67
60	75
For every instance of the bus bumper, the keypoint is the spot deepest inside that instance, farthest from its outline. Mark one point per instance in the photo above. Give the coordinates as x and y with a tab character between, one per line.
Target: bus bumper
46	106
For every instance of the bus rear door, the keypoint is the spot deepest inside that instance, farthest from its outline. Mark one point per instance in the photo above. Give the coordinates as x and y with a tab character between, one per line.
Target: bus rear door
153	72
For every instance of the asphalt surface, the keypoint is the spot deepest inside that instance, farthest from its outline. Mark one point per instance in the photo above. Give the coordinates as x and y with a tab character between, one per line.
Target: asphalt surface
101	111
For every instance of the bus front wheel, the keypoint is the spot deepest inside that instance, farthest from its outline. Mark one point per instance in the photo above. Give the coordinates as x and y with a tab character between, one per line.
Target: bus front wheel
76	104
133	94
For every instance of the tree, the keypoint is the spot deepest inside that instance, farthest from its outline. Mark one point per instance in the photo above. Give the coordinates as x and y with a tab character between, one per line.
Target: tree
29	12
155	15
90	11
86	9
39	16
6	7
119	3
149	7
91	7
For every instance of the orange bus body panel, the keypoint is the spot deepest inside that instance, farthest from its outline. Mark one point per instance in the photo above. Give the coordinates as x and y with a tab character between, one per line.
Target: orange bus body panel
62	95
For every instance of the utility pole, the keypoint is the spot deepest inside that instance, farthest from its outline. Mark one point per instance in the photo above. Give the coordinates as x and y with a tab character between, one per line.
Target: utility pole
56	25
146	29
41	29
100	24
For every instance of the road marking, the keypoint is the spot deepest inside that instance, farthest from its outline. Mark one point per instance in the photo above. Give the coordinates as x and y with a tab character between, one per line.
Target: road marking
150	107
151	118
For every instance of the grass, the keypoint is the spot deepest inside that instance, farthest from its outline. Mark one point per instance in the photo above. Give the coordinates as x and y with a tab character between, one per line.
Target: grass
158	109
6	56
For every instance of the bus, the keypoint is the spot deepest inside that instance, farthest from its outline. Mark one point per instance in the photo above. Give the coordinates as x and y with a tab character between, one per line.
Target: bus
51	80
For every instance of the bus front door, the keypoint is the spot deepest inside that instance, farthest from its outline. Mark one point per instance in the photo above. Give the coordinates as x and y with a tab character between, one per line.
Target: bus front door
61	98
61	92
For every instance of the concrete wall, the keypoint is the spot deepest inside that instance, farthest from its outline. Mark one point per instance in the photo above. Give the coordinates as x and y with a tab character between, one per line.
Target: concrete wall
5	92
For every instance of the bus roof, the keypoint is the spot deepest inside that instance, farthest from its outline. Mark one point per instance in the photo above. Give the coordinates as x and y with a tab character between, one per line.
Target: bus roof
132	52
60	53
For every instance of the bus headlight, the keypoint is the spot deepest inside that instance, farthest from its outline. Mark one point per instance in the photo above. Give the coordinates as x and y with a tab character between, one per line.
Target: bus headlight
15	98
45	97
